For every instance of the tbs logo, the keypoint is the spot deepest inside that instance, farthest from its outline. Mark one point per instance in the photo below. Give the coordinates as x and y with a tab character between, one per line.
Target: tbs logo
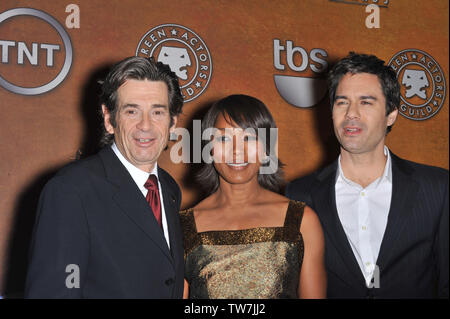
300	91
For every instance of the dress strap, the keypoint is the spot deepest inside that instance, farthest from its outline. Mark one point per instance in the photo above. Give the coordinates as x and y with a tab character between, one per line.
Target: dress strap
190	235
187	216
294	216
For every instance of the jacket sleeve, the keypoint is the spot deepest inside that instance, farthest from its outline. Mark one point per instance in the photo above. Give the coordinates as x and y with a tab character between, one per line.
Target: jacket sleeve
60	246
300	190
441	248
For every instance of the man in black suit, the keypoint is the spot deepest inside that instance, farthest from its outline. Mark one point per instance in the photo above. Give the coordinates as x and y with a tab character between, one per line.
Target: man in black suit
385	219
107	226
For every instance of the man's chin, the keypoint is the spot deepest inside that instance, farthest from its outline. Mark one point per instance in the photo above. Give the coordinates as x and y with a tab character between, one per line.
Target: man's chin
352	148
144	159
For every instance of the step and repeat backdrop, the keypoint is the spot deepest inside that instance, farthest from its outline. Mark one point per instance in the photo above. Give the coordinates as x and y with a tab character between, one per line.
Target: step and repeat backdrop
52	54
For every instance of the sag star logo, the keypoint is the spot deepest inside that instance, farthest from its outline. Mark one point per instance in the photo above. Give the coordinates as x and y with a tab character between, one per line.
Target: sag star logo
422	84
184	52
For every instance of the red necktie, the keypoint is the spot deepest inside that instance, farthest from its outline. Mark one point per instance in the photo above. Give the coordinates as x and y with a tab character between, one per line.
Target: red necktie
153	197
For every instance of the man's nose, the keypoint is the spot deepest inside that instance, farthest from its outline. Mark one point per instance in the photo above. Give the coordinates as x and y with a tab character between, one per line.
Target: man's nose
145	122
352	111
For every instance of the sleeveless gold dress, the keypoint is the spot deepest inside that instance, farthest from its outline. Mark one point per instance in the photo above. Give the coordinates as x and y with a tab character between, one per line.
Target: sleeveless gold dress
261	262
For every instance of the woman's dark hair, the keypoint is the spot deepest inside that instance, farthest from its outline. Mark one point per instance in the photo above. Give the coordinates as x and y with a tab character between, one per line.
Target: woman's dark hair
246	112
362	63
137	68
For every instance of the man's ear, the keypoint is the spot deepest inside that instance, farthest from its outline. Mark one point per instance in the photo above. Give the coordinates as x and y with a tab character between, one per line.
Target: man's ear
174	123
107	120
392	117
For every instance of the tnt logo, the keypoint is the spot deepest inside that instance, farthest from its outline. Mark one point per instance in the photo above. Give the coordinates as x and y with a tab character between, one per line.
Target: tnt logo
24	51
36	51
299	90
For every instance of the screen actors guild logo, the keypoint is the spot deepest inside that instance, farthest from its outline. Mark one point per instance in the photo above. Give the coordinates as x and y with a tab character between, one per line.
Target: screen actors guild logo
177	58
184	52
24	56
415	81
422	84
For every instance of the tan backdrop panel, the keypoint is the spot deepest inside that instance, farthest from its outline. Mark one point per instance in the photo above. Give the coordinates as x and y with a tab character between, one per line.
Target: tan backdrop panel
41	133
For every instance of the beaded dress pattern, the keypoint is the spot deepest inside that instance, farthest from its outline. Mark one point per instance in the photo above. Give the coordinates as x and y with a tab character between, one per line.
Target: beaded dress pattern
254	263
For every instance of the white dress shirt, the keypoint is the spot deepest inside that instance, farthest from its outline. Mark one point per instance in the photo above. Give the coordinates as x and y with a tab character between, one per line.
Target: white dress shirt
363	213
140	177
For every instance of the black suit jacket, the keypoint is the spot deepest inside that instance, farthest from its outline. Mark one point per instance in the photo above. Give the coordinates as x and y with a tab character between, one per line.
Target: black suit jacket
413	258
92	215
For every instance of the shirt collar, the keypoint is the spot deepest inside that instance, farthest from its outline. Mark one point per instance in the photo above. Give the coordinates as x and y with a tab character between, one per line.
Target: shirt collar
387	173
388	168
139	176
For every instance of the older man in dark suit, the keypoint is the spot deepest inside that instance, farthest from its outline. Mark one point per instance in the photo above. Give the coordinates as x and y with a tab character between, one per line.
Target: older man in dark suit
107	226
385	219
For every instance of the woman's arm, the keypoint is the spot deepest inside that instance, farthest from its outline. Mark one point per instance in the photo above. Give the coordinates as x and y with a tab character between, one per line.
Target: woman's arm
313	277
186	290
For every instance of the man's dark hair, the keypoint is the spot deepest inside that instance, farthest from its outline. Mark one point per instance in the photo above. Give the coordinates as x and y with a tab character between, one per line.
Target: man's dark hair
246	112
137	68
362	63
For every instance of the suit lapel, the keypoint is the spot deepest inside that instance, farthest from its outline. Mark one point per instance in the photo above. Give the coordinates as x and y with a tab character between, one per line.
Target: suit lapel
171	210
129	198
404	188
324	198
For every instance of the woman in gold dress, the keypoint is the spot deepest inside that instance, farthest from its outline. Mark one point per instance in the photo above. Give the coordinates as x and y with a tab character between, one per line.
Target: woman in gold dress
244	240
